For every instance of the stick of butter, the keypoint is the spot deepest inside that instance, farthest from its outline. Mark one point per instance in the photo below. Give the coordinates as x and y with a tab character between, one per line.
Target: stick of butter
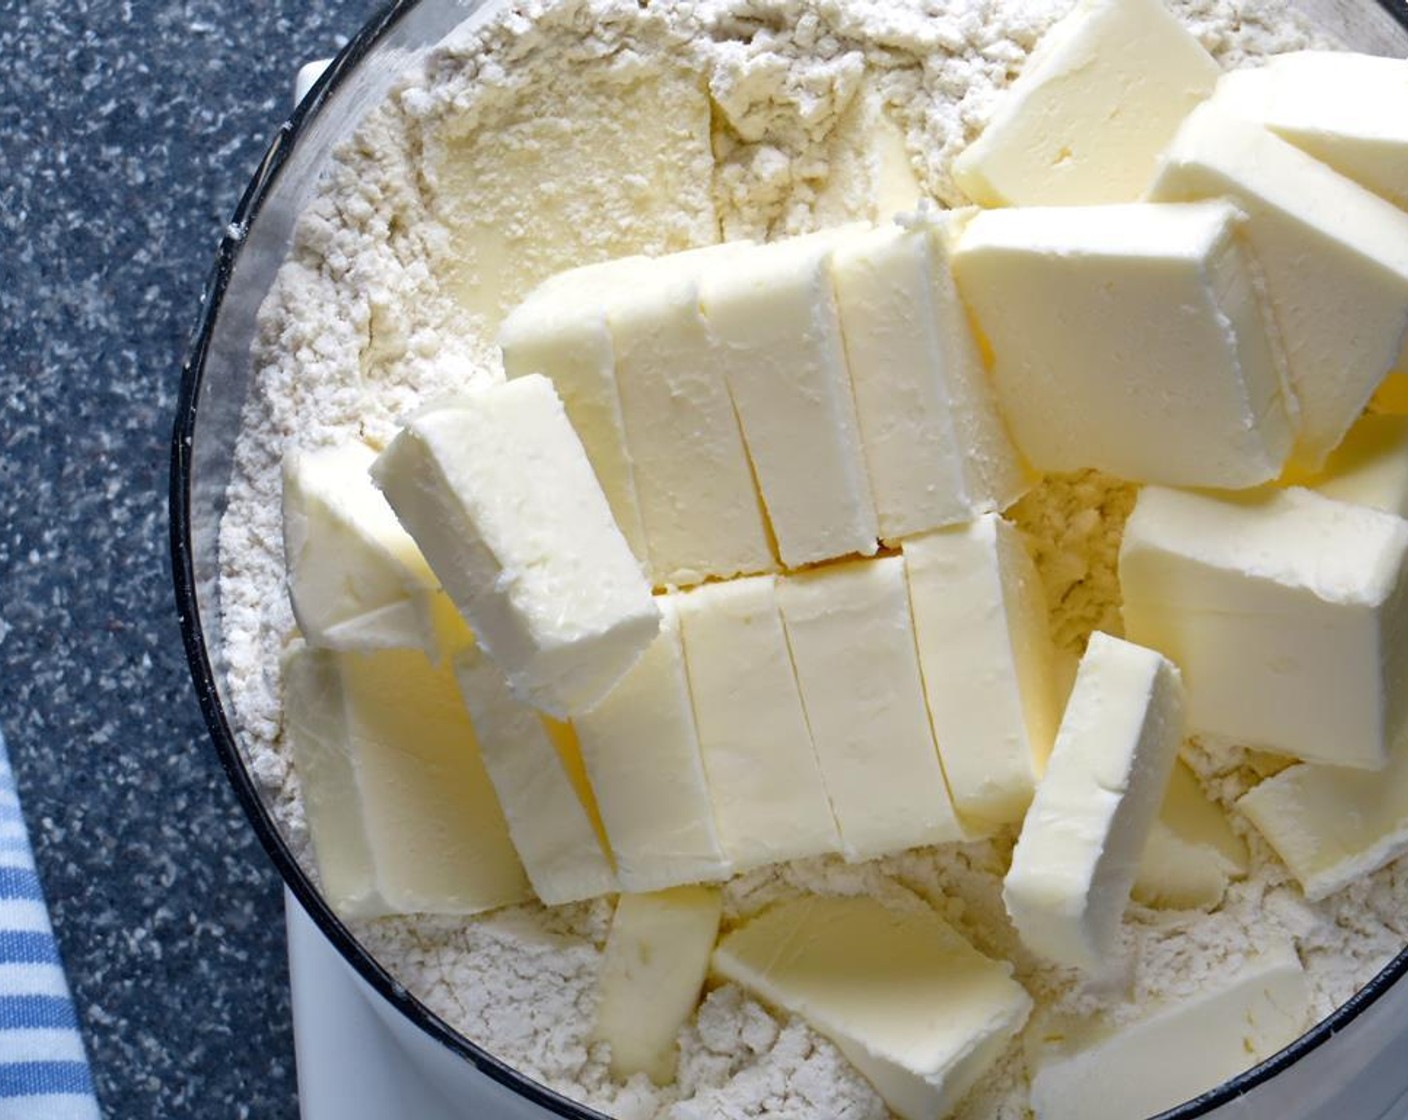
1129	338
653	968
852	642
537	770
772	312
1286	611
1095	103
987	660
1345	109
1370	468
641	749
1175	1052
498	493
402	814
770	802
1078	853
1192	852
1334	257
911	1004
1331	825
936	449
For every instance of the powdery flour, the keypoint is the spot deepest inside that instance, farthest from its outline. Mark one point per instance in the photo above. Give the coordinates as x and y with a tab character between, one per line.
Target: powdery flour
391	296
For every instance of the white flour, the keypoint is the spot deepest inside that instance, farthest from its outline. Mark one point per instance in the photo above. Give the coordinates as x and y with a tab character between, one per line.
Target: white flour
364	324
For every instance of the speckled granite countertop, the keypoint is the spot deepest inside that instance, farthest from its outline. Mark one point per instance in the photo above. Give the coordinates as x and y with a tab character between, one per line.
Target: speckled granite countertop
127	132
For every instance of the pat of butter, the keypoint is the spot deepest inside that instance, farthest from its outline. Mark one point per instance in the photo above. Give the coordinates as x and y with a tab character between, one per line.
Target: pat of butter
1370	468
1096	102
852	643
772	313
870	175
1159	301
1331	825
641	749
936	450
356	580
700	507
770	802
498	493
986	656
536	767
911	1004
1334	257
401	812
1286	611
1345	109
652	971
561	331
1177	1051
1192	852
1078	853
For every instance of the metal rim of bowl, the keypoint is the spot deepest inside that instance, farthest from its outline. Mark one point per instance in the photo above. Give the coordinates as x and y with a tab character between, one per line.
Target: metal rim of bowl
223	735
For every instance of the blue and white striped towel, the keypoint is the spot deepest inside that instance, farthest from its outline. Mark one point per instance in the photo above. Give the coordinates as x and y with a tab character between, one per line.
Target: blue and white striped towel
44	1071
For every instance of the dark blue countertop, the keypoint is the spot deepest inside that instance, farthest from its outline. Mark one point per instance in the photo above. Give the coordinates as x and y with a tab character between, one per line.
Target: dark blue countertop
127	132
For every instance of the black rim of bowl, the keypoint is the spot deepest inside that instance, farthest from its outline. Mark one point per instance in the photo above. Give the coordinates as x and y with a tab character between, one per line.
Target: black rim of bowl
222	732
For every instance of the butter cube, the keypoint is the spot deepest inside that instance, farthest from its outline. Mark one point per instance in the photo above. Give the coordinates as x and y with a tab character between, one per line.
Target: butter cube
1334	257
1332	825
772	312
1370	468
498	493
1078	853
1192	852
936	450
1287	612
770	802
1095	103
1129	338
988	664
1178	1051
537	771
402	814
870	175
561	331
914	1007
701	510
654	966
852	643
356	580
1345	109
641	750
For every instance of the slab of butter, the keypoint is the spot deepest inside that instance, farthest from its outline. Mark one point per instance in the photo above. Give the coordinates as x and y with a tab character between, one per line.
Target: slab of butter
869	173
771	310
1079	850
641	750
986	655
537	771
498	493
652	970
936	450
852	642
356	580
1334	257
770	802
1287	612
1160	301
1174	1053
1370	468
1345	109
561	331
402	814
1192	853
1093	106
1332	825
914	1007
701	510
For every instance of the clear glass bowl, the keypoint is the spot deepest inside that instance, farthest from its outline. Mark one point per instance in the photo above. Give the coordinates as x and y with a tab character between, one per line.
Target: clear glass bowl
1351	1066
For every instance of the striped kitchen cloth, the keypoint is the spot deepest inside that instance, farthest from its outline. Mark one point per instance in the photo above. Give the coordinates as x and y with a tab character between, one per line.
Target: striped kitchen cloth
44	1071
